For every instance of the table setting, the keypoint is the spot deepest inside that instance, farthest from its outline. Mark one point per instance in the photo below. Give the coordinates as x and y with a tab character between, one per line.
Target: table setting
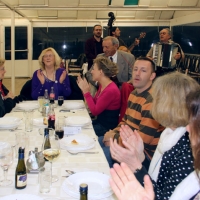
80	152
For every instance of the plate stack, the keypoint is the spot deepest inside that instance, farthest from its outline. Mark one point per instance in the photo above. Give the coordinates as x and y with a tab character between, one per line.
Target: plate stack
77	143
78	121
73	105
27	106
9	122
98	185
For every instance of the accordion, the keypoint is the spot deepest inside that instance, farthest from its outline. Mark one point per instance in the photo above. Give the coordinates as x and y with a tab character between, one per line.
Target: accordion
163	55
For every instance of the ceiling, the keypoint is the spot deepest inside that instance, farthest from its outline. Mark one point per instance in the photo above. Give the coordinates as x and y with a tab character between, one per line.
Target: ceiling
87	10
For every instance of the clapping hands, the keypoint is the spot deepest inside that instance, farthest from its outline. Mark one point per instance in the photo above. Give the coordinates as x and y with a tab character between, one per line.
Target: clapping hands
83	84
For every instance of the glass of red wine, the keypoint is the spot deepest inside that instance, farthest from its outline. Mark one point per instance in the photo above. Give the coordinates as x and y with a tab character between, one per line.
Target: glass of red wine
60	100
60	124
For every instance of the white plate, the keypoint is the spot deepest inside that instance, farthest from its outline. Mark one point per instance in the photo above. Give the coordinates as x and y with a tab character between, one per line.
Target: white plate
77	121
73	105
9	122
21	197
98	185
27	105
38	122
84	142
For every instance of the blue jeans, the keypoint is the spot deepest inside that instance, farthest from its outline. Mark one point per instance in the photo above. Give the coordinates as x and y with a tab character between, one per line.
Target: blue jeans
106	151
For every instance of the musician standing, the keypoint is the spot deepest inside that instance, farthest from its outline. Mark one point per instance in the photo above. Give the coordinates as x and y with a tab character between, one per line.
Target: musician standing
115	32
165	38
93	45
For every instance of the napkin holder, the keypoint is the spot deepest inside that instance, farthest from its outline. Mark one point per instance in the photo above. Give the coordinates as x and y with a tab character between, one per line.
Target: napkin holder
35	162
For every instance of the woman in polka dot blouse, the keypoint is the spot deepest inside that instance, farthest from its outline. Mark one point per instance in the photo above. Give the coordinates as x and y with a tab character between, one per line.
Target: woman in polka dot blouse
172	167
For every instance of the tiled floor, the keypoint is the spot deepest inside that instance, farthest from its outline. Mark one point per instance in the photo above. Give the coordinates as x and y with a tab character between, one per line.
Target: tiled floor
19	82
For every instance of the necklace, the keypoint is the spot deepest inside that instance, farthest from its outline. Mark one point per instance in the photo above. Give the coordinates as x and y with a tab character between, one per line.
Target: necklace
51	76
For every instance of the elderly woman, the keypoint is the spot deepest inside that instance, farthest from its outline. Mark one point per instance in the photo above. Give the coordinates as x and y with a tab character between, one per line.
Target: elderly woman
126	186
106	103
7	100
50	75
172	162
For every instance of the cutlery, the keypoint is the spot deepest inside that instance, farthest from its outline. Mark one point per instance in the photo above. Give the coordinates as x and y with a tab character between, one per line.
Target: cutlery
88	152
70	171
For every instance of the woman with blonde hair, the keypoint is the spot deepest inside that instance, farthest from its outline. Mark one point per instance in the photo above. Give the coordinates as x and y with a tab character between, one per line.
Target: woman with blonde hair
172	164
105	104
50	75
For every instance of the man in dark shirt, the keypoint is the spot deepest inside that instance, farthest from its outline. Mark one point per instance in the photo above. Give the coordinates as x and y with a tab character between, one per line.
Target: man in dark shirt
93	45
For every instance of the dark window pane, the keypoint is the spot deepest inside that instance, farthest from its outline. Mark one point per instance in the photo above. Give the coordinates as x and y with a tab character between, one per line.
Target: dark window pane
73	37
20	42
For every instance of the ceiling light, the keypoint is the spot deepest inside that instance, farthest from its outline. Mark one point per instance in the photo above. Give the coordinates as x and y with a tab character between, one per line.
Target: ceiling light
47	17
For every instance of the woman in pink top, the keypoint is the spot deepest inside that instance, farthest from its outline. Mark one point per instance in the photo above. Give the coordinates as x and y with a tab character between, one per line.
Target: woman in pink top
105	104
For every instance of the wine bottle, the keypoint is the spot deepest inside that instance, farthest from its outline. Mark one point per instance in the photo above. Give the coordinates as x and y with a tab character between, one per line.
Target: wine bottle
51	117
46	144
52	95
83	191
20	173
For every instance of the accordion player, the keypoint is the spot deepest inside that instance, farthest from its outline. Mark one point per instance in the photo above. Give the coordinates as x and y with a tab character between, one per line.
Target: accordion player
163	55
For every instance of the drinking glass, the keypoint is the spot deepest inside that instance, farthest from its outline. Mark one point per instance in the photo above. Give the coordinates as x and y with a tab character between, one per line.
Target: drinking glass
52	151
60	124
60	100
40	103
6	159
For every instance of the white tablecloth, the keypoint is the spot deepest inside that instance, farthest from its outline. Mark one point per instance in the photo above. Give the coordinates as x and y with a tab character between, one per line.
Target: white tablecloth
78	163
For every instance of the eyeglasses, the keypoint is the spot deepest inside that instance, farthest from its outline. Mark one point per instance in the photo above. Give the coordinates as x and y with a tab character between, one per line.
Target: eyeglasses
48	56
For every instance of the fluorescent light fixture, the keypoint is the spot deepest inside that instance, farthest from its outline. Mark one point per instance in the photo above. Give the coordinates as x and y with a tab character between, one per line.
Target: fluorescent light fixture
33	5
47	17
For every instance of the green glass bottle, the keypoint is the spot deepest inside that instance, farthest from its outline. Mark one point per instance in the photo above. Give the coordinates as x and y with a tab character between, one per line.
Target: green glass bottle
20	173
46	143
83	191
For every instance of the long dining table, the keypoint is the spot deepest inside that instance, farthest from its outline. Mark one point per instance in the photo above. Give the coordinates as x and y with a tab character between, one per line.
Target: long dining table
78	163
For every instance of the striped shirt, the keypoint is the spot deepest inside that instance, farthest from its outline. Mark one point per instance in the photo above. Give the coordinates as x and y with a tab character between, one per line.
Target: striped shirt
138	117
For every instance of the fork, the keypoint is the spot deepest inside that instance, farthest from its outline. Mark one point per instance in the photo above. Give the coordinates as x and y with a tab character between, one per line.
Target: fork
88	152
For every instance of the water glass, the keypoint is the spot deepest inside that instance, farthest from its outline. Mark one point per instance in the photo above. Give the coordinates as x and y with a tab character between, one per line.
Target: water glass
60	124
45	178
40	103
60	100
28	115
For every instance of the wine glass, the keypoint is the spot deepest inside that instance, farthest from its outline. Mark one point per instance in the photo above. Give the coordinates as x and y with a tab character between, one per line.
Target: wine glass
51	150
6	159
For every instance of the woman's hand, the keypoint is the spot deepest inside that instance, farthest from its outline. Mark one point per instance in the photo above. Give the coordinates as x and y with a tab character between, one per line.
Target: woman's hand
128	155
40	76
9	95
63	76
83	84
133	138
126	186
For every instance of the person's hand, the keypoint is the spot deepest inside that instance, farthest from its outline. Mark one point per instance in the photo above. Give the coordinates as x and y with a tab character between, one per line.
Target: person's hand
63	76
177	56
134	139
9	95
83	84
109	134
40	76
126	186
129	155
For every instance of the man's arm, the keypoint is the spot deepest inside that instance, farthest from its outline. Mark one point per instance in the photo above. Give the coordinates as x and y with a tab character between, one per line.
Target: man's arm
2	108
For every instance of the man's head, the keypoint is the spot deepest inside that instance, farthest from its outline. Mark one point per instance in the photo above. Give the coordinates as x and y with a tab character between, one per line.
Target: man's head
97	30
165	35
115	32
110	45
143	74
